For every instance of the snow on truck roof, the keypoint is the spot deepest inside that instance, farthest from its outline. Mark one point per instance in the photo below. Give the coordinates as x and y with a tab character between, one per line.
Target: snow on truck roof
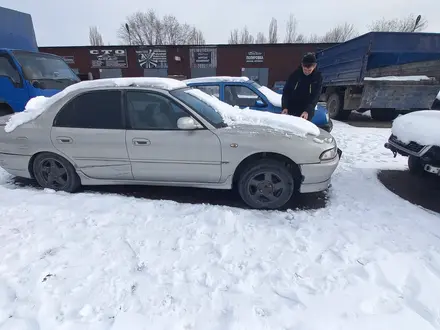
215	79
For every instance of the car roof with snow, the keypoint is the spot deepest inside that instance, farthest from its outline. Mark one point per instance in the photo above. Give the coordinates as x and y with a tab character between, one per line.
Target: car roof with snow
217	79
147	82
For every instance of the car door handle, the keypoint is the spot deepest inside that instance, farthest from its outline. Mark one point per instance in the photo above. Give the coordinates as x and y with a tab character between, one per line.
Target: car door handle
141	142
64	139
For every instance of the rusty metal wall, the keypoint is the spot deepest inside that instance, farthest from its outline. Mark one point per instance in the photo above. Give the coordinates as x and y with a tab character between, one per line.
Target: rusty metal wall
280	59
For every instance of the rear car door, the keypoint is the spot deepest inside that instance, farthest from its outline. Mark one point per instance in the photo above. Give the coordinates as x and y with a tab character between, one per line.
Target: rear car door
90	130
161	152
13	90
244	97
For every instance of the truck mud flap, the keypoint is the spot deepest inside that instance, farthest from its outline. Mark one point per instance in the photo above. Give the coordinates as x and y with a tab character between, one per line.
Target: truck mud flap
399	95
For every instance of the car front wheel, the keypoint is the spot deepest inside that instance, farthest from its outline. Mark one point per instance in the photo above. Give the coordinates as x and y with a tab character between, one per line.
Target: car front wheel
54	172
266	184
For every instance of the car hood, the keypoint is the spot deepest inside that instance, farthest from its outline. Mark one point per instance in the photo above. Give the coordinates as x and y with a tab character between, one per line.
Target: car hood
248	130
255	138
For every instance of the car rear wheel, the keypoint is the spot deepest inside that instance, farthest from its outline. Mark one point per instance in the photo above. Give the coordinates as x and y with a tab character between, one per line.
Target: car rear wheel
54	172
266	184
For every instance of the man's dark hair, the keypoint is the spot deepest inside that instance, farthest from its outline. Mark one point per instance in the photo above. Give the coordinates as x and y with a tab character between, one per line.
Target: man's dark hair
309	59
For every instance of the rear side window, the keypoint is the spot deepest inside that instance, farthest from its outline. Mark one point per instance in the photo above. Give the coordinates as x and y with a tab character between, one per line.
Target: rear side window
94	110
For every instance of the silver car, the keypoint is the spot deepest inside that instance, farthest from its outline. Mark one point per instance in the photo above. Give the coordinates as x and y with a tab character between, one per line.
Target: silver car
153	135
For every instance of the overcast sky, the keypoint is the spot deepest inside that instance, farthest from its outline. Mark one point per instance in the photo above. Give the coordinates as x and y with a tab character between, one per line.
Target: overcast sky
66	23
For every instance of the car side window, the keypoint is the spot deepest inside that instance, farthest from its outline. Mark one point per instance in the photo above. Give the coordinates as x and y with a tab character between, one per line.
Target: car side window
242	96
93	110
151	111
8	70
213	90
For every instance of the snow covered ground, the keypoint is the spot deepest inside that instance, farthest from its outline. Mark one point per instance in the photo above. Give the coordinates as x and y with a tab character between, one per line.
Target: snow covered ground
369	260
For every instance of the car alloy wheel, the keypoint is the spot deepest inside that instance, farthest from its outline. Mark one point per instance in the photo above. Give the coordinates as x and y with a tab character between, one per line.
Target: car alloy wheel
267	184
54	172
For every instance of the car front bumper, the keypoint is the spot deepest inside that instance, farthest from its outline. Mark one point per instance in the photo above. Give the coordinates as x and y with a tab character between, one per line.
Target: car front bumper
317	177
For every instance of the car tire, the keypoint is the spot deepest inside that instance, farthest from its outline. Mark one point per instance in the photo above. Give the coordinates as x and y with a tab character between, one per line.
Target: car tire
55	172
384	114
266	184
335	107
416	166
5	110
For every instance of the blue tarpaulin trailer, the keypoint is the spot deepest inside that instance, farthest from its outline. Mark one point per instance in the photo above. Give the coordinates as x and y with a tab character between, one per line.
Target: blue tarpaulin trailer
360	74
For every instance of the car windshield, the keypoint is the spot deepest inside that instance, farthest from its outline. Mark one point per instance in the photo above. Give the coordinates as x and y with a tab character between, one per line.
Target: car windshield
255	84
203	108
44	67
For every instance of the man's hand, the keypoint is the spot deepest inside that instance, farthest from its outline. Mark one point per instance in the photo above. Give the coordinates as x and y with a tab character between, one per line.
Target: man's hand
284	112
305	115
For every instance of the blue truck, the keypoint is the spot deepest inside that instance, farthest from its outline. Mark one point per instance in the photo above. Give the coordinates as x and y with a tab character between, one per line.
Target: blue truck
24	71
384	72
246	93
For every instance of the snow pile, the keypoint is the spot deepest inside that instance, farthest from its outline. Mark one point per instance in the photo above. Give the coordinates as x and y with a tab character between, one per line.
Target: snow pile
422	127
37	105
216	79
235	116
399	78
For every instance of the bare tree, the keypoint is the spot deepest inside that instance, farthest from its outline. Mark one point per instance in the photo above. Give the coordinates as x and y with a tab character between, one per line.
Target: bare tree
314	38
273	31
246	37
291	29
300	38
340	33
234	38
261	38
95	37
404	24
148	29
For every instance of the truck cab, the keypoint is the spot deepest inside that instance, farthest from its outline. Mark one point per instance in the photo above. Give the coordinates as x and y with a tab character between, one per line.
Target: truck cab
25	74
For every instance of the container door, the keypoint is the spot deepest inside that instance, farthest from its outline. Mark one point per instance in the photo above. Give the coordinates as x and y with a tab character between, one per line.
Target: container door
203	72
156	73
110	73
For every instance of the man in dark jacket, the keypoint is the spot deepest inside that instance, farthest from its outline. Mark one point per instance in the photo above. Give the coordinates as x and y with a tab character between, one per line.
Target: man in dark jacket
302	89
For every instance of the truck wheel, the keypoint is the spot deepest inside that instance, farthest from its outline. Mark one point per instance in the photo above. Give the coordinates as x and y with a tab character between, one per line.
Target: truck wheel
266	184
5	110
384	114
54	172
416	165
335	107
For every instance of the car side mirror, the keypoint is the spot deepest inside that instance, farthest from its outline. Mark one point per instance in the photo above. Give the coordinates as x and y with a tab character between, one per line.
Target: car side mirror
259	104
187	123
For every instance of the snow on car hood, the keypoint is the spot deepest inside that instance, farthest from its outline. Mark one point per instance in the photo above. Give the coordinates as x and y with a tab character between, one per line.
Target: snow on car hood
235	116
37	105
422	127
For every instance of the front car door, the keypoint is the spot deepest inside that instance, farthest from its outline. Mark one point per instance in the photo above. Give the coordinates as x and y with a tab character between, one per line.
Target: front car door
244	97
90	130
12	88
161	152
